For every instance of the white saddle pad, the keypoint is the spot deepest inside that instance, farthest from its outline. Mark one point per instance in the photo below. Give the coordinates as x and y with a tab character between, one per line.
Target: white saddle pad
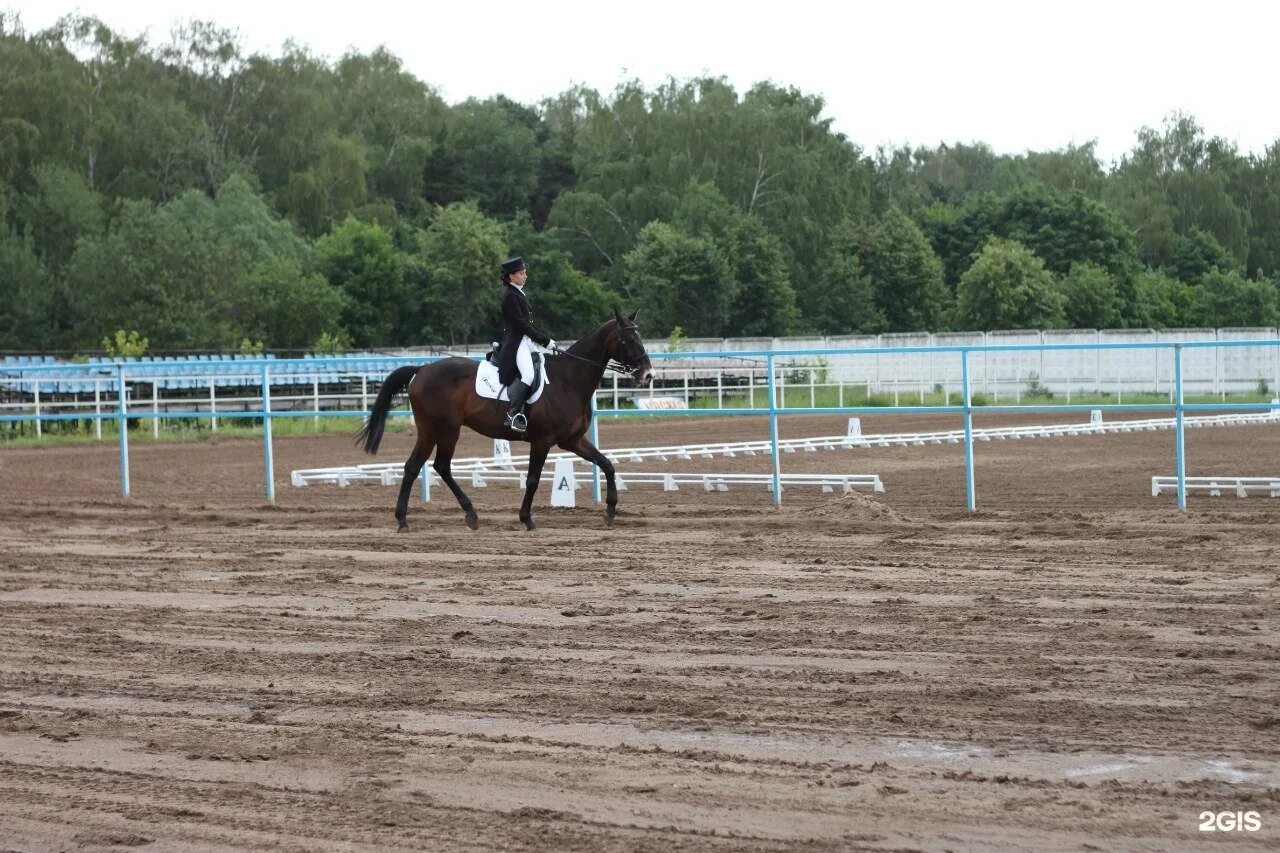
487	384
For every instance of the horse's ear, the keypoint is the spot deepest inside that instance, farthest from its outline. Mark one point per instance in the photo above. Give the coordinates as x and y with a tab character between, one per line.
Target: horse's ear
632	318
617	316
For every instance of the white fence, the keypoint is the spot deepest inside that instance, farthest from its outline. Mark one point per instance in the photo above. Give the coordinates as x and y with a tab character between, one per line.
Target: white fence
899	378
1000	376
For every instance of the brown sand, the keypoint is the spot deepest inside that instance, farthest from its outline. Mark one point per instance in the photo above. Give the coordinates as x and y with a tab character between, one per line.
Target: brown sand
1075	666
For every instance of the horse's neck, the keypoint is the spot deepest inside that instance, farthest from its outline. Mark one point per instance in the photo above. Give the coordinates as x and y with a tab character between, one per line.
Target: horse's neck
588	362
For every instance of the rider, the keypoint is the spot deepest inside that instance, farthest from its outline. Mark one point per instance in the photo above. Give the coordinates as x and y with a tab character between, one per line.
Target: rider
518	338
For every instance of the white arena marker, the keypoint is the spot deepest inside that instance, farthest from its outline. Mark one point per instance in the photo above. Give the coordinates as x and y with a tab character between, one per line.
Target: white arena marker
854	429
502	453
1095	416
563	484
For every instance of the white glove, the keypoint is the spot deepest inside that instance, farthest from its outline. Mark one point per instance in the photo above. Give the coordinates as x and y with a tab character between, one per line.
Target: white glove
552	345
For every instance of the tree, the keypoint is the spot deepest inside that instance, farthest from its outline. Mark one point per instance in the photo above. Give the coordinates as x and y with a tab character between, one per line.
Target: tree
1229	299
1175	180
485	152
1076	168
359	260
60	211
1161	301
289	308
1197	253
26	321
1008	288
1092	300
841	299
395	116
160	270
459	257
1061	230
680	280
331	189
764	303
905	274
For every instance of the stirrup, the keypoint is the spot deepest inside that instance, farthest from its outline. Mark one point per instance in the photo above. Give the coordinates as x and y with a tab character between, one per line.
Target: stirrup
517	422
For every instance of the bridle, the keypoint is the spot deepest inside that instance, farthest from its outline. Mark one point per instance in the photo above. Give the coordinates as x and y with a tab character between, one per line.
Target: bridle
619	367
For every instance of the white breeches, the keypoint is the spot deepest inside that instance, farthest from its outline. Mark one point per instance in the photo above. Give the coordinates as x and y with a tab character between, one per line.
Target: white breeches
524	360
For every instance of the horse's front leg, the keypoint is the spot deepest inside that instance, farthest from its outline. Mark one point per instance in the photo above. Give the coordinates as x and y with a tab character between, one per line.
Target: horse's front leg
592	454
537	458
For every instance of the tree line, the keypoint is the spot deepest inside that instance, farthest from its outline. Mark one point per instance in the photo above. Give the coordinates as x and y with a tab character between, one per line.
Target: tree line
213	199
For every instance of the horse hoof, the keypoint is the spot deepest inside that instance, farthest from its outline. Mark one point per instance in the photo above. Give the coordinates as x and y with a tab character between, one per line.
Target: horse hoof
529	525
403	528
609	516
473	521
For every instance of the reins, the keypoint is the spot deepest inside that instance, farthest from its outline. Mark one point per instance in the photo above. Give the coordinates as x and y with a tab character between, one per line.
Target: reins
611	364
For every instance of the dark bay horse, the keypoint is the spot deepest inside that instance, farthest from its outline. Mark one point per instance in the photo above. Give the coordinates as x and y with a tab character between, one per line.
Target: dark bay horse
444	400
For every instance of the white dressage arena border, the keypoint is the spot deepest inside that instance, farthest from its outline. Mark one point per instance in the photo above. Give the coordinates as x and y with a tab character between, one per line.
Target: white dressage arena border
1215	486
389	473
670	481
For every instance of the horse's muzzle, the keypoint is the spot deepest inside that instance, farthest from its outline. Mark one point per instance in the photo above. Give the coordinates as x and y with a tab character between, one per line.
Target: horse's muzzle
645	375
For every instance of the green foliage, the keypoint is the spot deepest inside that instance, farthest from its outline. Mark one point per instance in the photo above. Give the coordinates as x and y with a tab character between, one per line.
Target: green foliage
677	341
248	347
1092	300
359	260
456	275
1198	253
840	299
1229	299
905	274
1161	301
129	344
26	304
678	280
1036	391
1008	288
1060	230
60	210
210	194
331	343
764	302
486	153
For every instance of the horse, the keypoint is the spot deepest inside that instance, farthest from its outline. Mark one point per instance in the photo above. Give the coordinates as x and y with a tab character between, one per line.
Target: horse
443	399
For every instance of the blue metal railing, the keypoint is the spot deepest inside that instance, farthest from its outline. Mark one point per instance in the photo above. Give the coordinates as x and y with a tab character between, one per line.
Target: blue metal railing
268	371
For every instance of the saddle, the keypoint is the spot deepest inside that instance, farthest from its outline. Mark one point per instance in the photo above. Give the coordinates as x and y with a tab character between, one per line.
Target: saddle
488	386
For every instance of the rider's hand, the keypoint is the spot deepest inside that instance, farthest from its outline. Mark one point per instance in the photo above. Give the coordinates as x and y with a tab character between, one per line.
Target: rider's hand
552	345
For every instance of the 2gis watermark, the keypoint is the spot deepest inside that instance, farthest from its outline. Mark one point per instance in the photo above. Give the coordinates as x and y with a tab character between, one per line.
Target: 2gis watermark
1230	821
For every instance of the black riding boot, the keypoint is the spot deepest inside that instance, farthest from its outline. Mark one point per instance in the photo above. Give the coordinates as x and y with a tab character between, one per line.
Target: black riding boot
518	391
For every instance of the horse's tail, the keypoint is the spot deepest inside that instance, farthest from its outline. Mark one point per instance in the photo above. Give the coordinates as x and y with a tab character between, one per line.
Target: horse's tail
371	433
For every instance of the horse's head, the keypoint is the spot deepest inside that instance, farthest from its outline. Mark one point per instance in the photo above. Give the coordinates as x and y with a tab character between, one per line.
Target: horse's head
627	348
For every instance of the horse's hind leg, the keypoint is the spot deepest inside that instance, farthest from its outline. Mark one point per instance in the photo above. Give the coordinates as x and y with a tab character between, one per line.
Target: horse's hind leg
412	466
444	456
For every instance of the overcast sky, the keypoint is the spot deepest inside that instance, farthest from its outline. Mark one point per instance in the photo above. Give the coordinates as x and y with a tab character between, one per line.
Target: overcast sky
1016	75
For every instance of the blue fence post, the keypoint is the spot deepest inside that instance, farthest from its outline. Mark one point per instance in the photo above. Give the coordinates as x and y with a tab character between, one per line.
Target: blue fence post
773	433
595	440
122	421
266	434
971	498
1180	441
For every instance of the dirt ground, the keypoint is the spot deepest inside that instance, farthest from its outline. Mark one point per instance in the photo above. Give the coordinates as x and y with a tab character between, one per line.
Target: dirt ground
1076	666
